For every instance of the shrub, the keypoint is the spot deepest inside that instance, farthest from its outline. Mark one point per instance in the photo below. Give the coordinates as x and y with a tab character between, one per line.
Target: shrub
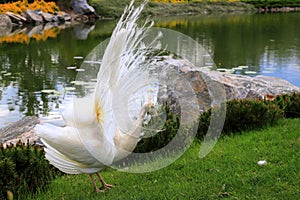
24	169
163	136
7	176
289	103
243	115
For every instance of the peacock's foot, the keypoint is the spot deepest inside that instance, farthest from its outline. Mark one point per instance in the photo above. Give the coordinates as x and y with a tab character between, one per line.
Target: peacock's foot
98	190
108	186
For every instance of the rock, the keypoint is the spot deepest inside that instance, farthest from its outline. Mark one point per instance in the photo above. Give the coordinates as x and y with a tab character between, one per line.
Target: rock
33	17
63	16
17	19
5	25
206	82
82	7
81	18
247	87
47	16
22	127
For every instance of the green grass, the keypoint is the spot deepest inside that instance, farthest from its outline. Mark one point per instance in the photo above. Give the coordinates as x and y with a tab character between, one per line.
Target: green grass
273	3
114	9
229	171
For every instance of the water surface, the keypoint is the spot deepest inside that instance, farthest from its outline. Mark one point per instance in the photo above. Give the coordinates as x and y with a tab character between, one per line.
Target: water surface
36	74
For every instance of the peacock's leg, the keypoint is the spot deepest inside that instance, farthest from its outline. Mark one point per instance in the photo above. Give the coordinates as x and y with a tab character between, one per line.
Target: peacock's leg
94	184
108	186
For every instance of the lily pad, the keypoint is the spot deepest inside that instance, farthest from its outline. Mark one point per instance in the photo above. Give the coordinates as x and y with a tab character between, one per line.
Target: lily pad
71	67
78	82
224	70
267	72
70	88
50	91
92	62
250	72
78	57
243	67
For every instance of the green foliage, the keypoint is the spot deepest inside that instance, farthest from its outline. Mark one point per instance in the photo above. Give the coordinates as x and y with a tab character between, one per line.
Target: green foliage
289	103
7	176
249	114
243	115
114	9
107	8
273	3
24	169
160	137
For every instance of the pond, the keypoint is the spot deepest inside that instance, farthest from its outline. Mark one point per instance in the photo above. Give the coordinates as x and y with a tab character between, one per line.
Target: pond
37	74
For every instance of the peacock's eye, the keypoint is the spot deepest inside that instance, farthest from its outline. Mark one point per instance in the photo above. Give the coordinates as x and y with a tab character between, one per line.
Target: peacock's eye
99	113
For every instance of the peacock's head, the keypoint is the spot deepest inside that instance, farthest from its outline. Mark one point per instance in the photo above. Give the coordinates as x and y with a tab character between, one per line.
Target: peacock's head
150	109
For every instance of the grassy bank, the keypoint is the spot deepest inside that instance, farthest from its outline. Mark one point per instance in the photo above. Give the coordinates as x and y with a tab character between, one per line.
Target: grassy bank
273	3
114	9
229	171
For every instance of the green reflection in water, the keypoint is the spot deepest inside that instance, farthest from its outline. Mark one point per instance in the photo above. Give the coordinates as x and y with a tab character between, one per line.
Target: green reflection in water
243	39
28	68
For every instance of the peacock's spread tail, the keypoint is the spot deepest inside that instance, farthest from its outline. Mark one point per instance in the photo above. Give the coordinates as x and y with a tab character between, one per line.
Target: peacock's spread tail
99	129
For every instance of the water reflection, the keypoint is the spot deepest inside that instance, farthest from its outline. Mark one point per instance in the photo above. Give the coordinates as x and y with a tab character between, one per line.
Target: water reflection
26	70
268	44
29	65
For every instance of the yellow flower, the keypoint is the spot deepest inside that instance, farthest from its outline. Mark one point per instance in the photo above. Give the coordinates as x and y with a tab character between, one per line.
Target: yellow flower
21	6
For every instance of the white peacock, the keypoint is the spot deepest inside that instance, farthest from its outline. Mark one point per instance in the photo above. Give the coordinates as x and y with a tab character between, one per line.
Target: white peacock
94	136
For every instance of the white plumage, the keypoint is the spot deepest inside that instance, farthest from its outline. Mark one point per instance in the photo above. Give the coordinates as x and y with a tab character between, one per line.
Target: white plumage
99	130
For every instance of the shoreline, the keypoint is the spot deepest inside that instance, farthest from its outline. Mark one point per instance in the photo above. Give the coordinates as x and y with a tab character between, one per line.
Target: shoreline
68	18
108	10
277	9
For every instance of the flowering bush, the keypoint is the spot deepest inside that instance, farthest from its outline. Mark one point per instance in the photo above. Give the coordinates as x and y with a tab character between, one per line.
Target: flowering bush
21	6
